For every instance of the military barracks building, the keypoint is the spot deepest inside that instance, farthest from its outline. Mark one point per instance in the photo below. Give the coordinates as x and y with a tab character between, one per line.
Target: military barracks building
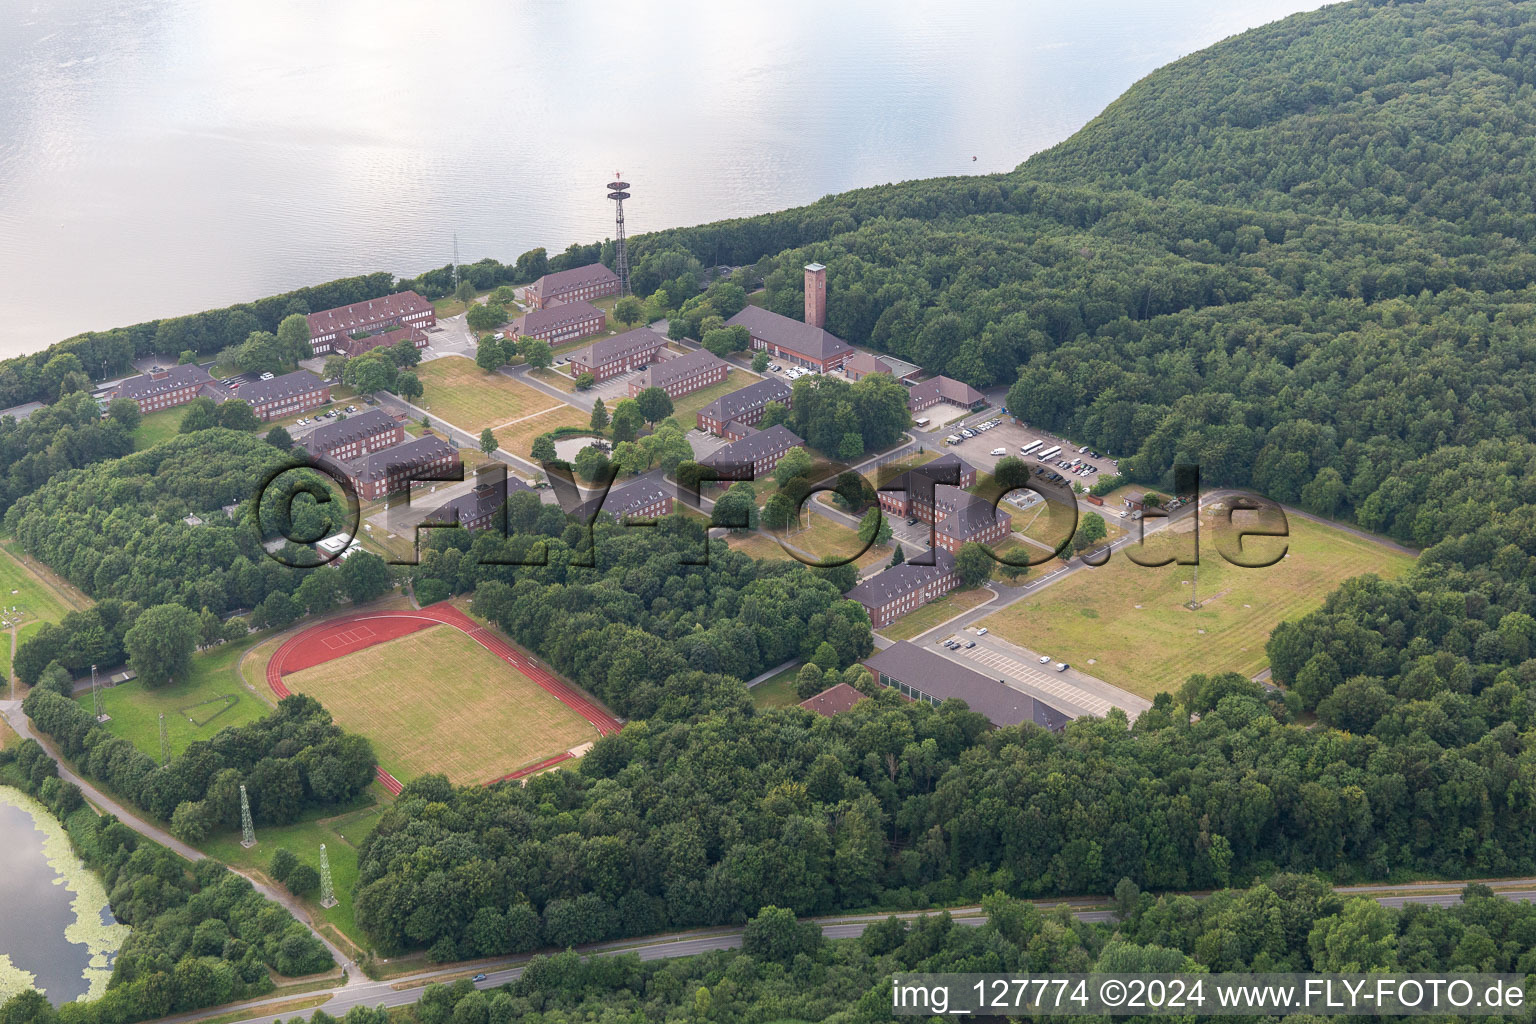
944	389
161	389
288	395
792	341
331	329
917	492
388	470
761	450
974	519
744	406
355	436
555	324
892	593
643	499
480	507
609	357
920	674
688	372
578	283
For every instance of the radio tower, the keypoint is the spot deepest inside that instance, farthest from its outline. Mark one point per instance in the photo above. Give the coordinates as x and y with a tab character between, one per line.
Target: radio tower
247	830
101	715
620	254
165	756
327	890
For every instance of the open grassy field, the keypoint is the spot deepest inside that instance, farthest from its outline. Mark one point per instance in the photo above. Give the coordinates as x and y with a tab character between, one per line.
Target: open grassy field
211	698
920	620
517	438
38	600
685	409
158	426
474	723
1130	626
460	392
554	378
833	540
341	835
777	691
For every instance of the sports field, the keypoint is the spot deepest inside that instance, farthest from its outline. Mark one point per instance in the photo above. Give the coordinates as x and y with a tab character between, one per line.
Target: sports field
460	392
436	701
211	698
1129	625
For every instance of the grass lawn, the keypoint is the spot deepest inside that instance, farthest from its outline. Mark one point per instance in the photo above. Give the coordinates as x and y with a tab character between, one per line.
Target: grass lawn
554	378
38	600
476	722
341	835
920	620
460	392
518	437
158	426
777	691
831	539
211	698
756	545
685	409
1128	624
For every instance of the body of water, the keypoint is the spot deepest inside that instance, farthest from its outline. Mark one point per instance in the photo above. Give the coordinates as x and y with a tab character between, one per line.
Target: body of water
165	156
56	931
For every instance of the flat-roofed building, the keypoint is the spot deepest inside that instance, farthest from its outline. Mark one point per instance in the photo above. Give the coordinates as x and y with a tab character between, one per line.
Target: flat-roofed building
392	469
678	376
791	340
163	388
330	328
973	519
758	453
925	492
944	389
593	281
862	364
893	592
744	405
920	674
344	440
563	322
643	499
288	395
609	357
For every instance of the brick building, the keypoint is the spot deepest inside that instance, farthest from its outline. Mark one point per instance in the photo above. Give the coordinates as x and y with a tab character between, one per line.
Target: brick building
355	436
288	395
392	469
350	346
736	430
481	507
920	674
792	341
609	357
924	491
563	322
744	405
892	593
760	451
163	388
643	499
683	374
974	519
834	700
331	328
579	283
944	389
816	295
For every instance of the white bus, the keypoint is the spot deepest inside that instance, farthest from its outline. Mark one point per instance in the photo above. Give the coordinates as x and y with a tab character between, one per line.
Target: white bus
1033	446
1050	453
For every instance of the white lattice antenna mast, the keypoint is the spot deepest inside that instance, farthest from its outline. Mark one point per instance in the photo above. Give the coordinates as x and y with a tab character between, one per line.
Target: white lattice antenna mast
101	715
165	748
327	890
247	830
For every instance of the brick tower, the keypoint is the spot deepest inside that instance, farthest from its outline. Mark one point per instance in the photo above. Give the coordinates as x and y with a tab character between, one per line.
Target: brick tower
816	295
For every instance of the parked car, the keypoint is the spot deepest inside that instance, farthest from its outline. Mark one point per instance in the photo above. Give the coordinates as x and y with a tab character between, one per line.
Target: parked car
999	451
1045	659
969	644
1062	666
982	631
912	521
268	376
967	433
351	408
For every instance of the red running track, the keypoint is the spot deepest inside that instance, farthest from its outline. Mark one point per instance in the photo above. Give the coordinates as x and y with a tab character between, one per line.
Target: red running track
347	634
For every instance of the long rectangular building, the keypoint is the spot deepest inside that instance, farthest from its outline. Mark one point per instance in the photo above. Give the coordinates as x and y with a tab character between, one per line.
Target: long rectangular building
920	674
350	346
890	594
288	395
744	405
563	322
758	453
347	439
329	328
481	507
643	499
594	281
392	469
917	492
163	388
974	519
609	357
686	373
944	389
791	340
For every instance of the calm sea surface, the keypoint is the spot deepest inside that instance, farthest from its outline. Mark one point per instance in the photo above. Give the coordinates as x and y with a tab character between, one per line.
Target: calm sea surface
164	156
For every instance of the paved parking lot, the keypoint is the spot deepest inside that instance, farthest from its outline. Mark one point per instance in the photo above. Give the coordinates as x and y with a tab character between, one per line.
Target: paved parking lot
704	443
1073	692
612	390
1011	437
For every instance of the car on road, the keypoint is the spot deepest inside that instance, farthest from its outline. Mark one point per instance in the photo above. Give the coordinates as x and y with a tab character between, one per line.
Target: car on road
999	451
478	977
1045	659
1062	666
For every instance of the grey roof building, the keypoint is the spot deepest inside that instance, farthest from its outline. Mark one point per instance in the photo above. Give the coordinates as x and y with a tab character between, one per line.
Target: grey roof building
756	448
747	400
149	385
787	337
644	497
898	581
341	433
923	675
289	385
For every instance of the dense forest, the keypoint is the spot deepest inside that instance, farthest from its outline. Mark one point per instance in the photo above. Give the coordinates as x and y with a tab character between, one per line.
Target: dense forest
201	934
